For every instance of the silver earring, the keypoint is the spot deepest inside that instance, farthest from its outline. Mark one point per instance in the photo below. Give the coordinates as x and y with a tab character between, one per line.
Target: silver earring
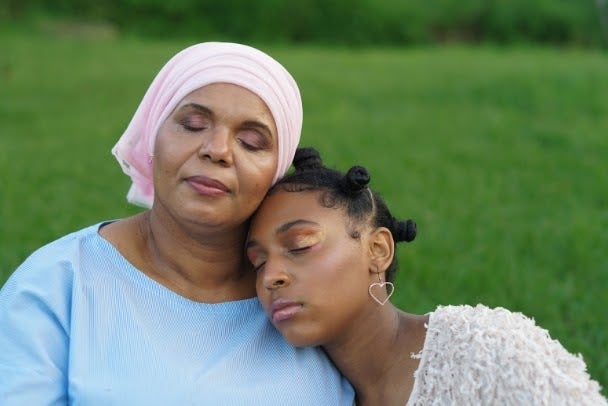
388	286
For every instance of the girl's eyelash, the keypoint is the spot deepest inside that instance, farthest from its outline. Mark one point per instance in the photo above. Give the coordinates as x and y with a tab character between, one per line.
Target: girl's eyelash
293	251
299	250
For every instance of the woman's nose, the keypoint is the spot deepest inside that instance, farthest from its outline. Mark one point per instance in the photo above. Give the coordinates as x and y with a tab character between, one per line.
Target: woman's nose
217	146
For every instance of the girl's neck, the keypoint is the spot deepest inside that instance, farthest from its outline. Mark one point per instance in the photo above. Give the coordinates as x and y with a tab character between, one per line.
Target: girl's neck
376	355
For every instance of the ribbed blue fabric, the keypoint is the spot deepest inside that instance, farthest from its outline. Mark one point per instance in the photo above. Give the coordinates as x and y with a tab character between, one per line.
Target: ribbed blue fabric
80	325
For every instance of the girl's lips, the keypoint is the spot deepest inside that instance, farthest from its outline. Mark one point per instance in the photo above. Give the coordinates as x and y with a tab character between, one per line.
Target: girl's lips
282	310
207	186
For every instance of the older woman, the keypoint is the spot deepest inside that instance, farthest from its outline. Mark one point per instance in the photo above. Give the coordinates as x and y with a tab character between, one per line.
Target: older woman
160	308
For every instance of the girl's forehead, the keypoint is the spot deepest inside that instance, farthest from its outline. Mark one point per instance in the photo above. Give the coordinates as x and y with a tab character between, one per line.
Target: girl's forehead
285	205
296	199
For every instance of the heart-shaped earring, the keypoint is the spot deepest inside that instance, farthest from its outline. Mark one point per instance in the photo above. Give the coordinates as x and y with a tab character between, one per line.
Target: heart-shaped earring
388	286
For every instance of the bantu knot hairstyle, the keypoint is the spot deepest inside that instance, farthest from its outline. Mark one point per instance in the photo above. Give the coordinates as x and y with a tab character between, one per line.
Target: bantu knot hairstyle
355	180
404	230
307	159
349	191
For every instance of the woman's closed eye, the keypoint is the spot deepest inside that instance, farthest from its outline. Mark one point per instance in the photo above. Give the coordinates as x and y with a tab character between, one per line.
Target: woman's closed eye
194	123
253	140
255	136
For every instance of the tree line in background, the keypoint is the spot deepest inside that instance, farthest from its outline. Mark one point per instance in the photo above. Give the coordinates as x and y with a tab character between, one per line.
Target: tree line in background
348	22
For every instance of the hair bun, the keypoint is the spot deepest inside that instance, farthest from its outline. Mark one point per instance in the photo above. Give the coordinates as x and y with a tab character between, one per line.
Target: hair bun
307	158
405	230
356	179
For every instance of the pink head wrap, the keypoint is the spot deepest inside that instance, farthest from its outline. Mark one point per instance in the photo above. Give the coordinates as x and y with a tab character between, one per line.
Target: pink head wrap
193	68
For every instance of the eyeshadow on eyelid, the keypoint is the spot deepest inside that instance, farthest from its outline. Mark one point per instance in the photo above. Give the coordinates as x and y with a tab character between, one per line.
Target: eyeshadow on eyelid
195	120
308	240
308	237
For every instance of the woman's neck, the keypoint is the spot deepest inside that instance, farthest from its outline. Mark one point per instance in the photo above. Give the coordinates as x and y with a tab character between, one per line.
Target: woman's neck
376	355
201	265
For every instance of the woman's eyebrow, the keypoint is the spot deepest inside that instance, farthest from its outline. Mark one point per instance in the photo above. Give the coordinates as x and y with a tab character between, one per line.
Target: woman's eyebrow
198	107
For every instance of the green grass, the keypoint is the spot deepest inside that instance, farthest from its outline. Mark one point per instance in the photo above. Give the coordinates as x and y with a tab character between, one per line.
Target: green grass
500	155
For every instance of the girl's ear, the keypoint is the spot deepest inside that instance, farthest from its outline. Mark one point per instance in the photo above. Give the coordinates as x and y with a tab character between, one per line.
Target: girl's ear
381	249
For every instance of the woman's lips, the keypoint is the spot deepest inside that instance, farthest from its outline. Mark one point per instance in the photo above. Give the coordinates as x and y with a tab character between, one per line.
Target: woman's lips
282	310
207	186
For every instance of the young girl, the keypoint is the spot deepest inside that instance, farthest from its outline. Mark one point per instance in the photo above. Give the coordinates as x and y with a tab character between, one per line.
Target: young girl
323	247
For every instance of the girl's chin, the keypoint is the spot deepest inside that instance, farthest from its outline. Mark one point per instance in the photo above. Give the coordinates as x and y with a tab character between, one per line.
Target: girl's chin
300	341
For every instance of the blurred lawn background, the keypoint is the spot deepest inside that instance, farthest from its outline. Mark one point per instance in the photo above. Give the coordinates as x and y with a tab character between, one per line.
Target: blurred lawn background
498	153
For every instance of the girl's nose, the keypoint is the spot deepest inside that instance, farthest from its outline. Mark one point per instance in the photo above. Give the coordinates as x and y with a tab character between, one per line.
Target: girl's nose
275	276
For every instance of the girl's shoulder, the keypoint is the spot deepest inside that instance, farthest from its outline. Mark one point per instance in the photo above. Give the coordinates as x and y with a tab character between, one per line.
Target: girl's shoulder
482	322
497	355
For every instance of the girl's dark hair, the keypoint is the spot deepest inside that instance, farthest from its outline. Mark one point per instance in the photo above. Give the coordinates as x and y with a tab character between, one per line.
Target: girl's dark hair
349	191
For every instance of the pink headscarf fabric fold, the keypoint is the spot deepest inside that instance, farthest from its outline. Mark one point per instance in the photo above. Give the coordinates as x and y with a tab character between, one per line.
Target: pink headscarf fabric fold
193	68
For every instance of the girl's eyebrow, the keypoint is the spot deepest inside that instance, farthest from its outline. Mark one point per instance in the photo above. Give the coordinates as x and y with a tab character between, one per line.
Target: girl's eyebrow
284	228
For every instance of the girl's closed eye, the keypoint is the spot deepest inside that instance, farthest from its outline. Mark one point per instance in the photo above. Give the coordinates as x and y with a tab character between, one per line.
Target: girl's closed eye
299	250
256	260
305	242
258	267
303	248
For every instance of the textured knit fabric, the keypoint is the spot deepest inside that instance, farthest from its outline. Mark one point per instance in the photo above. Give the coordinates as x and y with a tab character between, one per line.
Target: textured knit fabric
192	68
80	325
482	356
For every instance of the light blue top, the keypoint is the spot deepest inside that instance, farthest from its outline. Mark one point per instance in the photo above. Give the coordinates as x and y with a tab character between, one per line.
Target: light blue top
80	325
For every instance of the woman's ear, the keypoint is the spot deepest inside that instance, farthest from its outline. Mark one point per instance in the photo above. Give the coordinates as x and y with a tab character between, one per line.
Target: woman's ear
381	249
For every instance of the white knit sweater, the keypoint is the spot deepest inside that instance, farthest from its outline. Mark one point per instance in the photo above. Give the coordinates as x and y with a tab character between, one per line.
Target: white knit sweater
482	356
